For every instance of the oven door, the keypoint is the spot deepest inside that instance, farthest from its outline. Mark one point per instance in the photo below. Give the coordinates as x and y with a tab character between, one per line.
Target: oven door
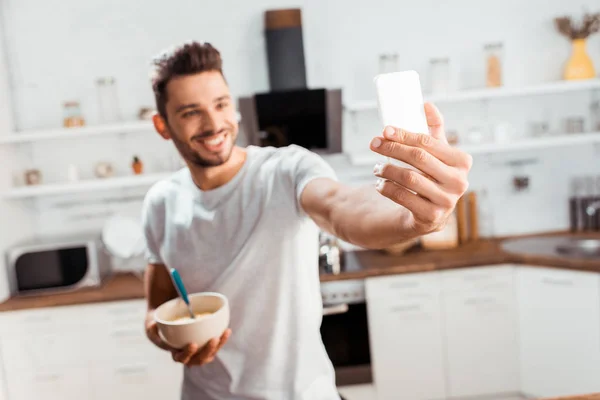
345	333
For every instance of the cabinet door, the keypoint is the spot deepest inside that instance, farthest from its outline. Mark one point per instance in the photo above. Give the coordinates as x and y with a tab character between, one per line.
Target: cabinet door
405	337
559	318
3	388
481	331
56	383
141	380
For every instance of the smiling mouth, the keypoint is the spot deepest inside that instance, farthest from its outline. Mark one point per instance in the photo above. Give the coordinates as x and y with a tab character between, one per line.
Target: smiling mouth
214	143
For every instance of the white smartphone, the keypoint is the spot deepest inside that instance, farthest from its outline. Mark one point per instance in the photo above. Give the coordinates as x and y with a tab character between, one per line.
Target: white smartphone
400	102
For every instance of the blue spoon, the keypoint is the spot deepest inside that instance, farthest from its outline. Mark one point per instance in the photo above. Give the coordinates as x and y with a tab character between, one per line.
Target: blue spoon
181	290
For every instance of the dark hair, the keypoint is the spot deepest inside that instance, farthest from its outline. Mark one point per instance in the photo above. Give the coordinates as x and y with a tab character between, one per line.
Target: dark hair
187	59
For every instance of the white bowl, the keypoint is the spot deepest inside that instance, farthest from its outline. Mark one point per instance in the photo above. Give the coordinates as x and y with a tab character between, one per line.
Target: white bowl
199	331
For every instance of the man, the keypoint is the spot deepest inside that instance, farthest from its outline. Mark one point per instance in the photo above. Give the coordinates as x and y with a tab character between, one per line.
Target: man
244	222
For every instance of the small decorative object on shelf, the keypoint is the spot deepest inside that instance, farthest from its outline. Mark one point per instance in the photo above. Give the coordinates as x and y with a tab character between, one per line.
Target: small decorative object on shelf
137	165
439	75
146	113
595	108
72	115
388	63
33	177
493	64
574	125
73	173
580	65
104	170
108	104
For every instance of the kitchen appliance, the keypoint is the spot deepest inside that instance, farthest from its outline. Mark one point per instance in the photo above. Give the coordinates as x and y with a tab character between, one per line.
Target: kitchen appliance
285	49
56	264
311	118
345	331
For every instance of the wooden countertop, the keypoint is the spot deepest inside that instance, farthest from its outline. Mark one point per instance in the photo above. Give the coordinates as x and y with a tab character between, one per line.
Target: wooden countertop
363	264
593	396
122	286
357	265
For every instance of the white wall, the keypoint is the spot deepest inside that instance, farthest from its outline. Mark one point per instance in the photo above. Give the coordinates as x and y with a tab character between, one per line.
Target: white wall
58	49
15	218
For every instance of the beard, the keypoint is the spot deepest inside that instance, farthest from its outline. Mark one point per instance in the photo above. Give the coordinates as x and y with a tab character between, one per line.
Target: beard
194	157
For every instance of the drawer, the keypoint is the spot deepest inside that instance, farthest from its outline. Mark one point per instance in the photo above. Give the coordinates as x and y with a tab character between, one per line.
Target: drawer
409	285
150	380
50	319
44	350
49	384
123	343
559	279
117	314
478	278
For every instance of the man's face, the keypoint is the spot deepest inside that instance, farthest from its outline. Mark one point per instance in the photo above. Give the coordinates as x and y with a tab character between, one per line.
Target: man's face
201	118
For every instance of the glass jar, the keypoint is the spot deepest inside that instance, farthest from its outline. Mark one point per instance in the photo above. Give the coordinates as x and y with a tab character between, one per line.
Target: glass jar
595	108
439	69
72	115
494	55
388	63
108	105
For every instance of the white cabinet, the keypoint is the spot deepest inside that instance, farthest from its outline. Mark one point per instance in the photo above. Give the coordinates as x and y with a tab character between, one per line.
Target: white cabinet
3	388
479	309
96	352
406	336
559	322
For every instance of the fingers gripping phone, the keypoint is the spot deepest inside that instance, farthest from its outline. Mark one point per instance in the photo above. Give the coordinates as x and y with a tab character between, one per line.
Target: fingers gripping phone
400	103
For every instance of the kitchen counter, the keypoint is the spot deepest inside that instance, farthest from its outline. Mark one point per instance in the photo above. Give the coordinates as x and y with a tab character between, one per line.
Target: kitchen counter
593	396
364	264
357	265
121	286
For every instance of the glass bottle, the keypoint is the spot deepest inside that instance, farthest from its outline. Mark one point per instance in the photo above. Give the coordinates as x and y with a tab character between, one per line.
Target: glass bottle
494	55
388	63
440	75
108	105
486	214
72	115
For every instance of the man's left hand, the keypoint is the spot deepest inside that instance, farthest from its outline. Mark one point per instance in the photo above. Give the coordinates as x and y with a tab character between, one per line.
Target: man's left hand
430	195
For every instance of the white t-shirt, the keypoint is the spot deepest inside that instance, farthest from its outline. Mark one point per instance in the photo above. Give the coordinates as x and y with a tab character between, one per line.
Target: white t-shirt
250	240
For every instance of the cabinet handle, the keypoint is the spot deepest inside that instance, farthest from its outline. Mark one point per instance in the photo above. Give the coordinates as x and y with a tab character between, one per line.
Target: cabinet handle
122	311
48	377
406	308
477	277
37	319
334	310
122	333
132	370
558	282
480	300
404	285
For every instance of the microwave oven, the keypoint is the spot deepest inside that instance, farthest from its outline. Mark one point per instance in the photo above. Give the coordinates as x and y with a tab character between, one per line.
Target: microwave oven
56	264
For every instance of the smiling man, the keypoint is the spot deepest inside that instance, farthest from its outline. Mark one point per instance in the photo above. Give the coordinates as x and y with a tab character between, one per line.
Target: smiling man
244	222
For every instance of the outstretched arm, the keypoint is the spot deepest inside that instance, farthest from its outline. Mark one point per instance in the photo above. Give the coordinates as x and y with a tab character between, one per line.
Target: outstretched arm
405	203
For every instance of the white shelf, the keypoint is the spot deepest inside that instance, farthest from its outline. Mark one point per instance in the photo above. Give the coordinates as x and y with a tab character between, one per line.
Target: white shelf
493	93
84	186
86	131
370	158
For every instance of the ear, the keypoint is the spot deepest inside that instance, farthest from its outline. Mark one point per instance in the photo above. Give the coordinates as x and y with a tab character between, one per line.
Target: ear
161	126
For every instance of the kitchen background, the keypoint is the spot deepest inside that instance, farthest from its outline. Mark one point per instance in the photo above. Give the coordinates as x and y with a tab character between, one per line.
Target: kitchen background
84	42
535	141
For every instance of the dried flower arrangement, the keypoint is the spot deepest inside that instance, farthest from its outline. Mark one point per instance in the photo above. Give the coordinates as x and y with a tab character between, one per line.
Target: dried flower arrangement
589	25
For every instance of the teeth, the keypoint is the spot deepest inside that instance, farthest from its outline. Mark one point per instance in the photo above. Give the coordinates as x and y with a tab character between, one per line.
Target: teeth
215	141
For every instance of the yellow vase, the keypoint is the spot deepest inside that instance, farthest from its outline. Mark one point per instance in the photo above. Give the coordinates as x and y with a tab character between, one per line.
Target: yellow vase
580	64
